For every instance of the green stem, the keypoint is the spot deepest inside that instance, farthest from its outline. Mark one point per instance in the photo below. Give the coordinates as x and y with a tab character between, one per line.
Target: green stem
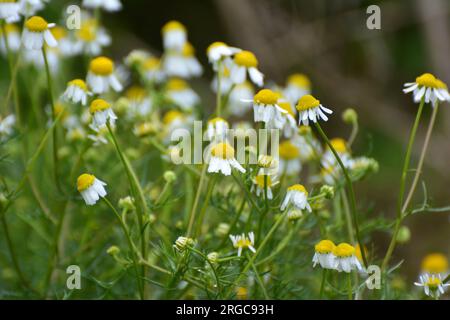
258	279
322	283
197	198
350	288
348	218
130	245
402	187
350	189
219	90
205	206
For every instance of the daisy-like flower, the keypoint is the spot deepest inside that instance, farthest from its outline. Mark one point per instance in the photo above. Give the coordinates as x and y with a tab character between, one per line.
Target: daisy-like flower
245	62
6	125
265	106
174	35
217	129
152	70
101	76
77	91
435	263
12	37
181	94
297	86
239	96
310	109
324	254
285	120
297	196
30	7
36	32
432	285
66	45
182	64
107	5
218	51
174	120
144	129
340	146
259	185
136	58
91	38
427	87
140	102
345	258
241	242
225	81
182	243
222	159
91	188
290	163
9	10
101	112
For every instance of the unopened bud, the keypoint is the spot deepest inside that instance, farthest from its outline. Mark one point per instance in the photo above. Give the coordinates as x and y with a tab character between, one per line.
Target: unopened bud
350	116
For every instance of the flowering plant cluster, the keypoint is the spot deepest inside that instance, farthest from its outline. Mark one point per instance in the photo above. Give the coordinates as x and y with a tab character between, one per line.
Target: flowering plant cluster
87	173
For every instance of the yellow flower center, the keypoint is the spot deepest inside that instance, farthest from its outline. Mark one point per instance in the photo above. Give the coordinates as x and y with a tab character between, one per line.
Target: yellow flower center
171	116
246	59
188	50
358	253
58	33
259	179
441	85
151	63
325	246
214	45
243	243
427	80
79	83
98	105
344	250
144	129
136	93
85	181
11	28
241	293
8	1
299	188
36	24
307	102
226	72
177	85
102	66
286	106
339	145
435	263
288	150
266	96
173	26
299	80
433	282
223	151
88	30
217	119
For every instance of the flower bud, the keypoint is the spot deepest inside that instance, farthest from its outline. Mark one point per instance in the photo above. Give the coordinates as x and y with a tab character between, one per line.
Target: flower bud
113	250
127	203
183	242
404	235
295	215
222	229
327	191
170	176
213	257
350	116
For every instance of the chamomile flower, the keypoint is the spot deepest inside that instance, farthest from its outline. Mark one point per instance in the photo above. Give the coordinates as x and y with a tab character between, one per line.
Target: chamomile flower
218	51
12	37
324	254
297	86
290	163
6	125
217	129
245	62
241	242
345	258
340	146
152	70
76	134
181	94
140	103
285	120
297	196
36	59
91	188
432	284
225	81
66	45
144	129
174	35
9	10
182	243
182	64
30	7
91	38
101	76
77	91
102	113
265	106
435	263
308	144
36	33
136	58
427	87
107	5
174	120
310	109
259	185
222	159
239	96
